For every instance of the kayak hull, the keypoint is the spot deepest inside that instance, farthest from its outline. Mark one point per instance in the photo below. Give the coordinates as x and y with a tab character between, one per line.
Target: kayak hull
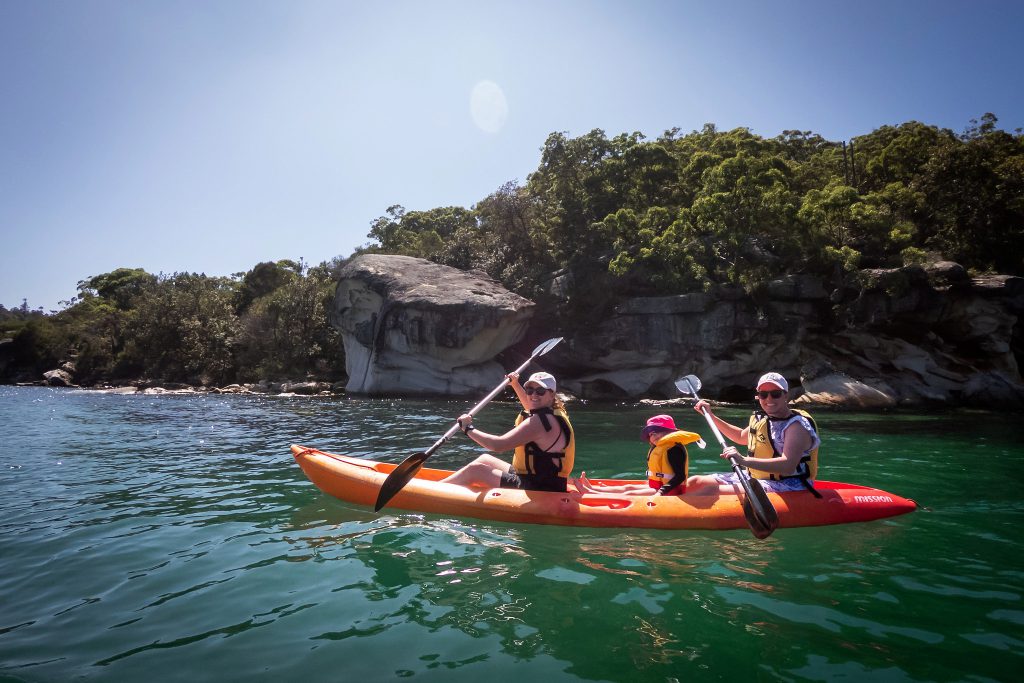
358	481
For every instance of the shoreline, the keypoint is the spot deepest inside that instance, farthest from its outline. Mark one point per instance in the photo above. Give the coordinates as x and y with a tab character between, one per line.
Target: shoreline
314	389
152	388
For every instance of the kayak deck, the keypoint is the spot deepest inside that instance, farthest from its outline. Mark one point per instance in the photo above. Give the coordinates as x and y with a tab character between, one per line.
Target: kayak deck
356	480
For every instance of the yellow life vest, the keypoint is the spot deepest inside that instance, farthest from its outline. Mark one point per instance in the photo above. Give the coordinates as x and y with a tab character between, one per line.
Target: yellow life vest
658	466
760	445
530	459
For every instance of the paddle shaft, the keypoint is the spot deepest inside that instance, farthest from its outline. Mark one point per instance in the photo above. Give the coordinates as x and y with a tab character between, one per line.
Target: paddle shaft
736	467
407	469
757	508
477	408
707	416
721	439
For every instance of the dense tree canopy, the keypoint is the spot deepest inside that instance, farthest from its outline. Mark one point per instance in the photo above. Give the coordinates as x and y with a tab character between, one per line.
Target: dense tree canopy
625	215
599	220
267	323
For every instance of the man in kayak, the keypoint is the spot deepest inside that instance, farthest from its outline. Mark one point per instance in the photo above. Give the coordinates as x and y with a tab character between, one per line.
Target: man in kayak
542	438
667	462
782	443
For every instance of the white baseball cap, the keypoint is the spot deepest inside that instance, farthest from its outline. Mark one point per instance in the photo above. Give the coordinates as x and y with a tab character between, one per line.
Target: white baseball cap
544	379
773	378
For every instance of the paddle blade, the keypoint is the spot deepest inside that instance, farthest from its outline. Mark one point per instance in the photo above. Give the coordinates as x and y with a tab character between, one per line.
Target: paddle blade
757	527
544	347
690	384
763	506
758	509
399	477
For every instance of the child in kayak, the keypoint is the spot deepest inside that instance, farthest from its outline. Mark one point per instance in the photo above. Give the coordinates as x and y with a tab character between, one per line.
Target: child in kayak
667	462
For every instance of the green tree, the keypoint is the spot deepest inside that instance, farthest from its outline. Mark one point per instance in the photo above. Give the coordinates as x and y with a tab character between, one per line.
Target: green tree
40	345
974	191
264	278
286	333
184	329
657	253
418	233
745	215
119	287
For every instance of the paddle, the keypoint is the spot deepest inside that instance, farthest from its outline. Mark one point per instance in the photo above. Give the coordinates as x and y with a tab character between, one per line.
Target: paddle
757	508
402	474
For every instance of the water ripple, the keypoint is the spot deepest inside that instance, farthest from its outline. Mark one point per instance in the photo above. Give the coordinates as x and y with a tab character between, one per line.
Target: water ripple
141	535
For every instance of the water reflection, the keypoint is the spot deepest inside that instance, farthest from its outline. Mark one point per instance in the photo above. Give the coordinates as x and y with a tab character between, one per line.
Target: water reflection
492	581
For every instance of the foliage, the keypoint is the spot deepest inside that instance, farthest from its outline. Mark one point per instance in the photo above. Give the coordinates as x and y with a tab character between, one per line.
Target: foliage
119	287
38	345
264	279
599	220
270	322
627	216
418	233
184	329
285	333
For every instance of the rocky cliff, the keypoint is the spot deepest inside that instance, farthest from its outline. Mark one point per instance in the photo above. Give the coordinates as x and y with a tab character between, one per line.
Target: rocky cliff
410	326
909	336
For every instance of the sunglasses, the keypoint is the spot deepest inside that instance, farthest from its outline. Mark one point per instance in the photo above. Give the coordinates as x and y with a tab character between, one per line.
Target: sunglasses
539	391
775	393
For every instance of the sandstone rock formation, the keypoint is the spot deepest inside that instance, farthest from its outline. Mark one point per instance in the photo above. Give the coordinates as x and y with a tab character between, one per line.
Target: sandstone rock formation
58	378
410	326
907	336
912	336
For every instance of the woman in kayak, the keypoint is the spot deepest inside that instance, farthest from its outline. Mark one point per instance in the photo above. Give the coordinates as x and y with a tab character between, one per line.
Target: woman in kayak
542	438
667	462
782	443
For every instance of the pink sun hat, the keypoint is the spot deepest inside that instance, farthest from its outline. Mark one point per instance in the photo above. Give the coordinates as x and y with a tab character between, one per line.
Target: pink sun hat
658	423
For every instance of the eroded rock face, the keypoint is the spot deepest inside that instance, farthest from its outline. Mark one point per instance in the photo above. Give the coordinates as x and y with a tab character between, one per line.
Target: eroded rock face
908	337
902	337
410	326
650	342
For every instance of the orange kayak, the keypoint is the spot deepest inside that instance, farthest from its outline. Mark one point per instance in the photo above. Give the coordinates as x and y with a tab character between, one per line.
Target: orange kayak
358	481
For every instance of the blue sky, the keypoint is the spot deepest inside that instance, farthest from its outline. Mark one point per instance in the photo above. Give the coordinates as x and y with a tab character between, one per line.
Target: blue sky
207	136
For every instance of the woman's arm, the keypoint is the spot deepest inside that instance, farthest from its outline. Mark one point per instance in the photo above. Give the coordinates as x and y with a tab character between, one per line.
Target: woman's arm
513	381
528	430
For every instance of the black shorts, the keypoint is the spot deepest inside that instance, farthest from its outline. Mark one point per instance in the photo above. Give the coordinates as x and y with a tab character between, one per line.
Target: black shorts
533	482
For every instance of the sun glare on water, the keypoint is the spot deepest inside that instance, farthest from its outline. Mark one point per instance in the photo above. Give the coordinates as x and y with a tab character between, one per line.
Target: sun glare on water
488	106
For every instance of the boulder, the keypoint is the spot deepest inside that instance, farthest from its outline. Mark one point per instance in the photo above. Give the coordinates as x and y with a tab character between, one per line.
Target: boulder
305	388
414	327
901	337
838	390
233	389
649	342
994	390
58	378
946	274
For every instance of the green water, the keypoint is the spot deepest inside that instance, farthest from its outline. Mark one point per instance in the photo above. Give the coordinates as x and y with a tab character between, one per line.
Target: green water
173	538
